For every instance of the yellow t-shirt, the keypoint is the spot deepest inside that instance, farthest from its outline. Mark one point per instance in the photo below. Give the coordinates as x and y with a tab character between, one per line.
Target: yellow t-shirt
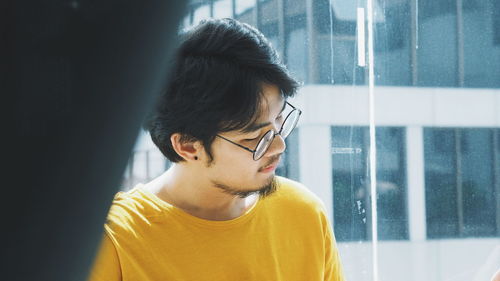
285	236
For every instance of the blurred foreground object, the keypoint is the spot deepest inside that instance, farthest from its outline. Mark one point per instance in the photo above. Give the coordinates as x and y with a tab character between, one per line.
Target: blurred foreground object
77	79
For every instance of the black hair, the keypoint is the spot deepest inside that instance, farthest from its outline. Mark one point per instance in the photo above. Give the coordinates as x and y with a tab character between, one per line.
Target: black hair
215	85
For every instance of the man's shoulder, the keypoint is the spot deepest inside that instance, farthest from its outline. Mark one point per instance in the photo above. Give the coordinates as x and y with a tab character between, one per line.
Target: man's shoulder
294	193
130	209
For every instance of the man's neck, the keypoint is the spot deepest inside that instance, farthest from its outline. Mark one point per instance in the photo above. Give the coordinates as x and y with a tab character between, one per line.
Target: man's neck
197	196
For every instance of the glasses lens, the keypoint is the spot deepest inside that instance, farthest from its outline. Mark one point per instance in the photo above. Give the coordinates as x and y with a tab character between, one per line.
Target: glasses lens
263	145
290	123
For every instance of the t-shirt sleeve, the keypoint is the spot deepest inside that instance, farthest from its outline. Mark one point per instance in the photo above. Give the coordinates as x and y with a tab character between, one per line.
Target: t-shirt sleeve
106	265
333	265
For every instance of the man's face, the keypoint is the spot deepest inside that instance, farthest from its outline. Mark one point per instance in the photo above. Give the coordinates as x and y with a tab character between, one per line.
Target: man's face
233	168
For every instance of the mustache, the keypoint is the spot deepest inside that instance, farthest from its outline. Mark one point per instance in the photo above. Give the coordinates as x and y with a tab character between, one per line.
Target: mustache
271	161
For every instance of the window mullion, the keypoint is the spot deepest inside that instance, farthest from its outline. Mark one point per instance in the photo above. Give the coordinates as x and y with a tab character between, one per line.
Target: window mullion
496	175
459	179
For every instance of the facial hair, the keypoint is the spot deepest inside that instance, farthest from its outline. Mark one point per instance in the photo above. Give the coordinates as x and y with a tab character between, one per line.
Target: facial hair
263	191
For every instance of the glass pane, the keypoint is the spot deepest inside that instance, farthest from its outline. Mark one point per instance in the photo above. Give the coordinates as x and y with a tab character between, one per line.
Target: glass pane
480	31
392	45
223	9
345	68
351	183
439	54
477	156
391	183
437	47
296	43
296	46
496	22
336	30
342	17
440	183
269	24
350	188
244	6
289	166
201	12
245	11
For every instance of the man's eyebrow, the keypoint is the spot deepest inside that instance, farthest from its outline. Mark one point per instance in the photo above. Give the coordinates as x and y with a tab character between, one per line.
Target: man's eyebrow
254	127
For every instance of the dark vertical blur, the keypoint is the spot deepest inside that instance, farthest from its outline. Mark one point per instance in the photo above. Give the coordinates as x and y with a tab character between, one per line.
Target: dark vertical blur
77	78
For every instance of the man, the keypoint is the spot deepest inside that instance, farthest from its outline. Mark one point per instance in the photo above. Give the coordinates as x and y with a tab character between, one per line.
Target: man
220	213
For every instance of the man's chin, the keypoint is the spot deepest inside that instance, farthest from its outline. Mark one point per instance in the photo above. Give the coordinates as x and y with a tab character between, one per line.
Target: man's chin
263	191
268	189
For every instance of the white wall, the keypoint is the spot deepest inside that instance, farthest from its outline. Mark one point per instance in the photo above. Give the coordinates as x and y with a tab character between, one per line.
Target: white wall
432	260
400	106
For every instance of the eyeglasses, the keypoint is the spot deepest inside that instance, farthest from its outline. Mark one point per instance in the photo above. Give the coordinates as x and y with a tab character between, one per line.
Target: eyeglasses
264	143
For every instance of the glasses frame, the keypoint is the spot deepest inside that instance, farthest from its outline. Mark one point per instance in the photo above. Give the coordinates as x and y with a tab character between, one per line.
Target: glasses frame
294	109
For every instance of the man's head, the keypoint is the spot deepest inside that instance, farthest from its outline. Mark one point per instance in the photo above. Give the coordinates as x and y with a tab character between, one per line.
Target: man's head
226	79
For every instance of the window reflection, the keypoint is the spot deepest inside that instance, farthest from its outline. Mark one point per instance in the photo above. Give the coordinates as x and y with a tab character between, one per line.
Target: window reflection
244	6
245	11
201	12
269	24
343	17
480	22
496	22
296	45
335	28
459	182
289	165
223	9
351	183
437	50
350	195
392	45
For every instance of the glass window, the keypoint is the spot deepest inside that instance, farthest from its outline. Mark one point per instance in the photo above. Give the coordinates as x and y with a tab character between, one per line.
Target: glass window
244	6
391	183
186	22
335	28
345	68
437	48
480	67
350	196
459	182
496	22
223	9
296	46
268	22
268	12
201	12
289	165
270	30
477	156
294	8
392	45
342	14
351	183
440	183
245	11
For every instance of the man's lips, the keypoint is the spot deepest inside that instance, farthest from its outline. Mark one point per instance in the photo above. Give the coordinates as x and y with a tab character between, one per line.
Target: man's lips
270	167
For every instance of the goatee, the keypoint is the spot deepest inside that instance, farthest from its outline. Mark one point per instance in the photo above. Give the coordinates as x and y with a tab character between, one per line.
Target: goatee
263	191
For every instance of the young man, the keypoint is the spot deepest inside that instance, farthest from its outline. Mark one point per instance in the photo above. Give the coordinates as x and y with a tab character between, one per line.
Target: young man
220	213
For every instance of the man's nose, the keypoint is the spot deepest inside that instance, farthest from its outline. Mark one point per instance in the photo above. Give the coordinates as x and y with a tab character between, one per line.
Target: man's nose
278	146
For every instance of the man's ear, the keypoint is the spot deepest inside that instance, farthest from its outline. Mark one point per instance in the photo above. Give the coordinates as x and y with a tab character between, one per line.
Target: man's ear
189	150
